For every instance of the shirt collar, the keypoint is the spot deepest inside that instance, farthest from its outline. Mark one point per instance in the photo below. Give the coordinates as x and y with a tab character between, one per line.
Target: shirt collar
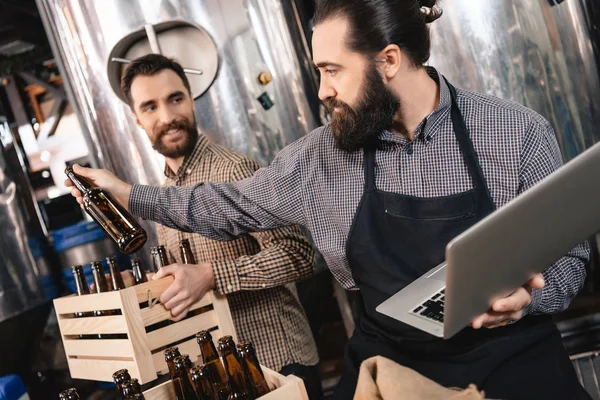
430	124
190	160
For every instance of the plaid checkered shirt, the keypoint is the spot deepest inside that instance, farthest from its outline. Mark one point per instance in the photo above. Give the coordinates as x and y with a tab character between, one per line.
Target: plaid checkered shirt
256	271
314	184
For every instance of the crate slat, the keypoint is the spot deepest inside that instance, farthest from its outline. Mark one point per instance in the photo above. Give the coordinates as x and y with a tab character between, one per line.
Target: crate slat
138	336
181	330
93	325
99	370
158	313
164	391
87	303
224	320
98	348
156	288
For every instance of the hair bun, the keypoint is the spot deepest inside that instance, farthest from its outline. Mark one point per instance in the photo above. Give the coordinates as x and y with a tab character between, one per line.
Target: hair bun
430	10
427	3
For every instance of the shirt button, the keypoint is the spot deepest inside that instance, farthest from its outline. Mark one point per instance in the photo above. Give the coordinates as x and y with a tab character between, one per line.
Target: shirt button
264	285
409	149
428	138
189	171
229	287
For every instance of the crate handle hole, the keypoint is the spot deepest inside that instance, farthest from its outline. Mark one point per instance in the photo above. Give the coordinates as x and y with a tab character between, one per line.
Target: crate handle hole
151	302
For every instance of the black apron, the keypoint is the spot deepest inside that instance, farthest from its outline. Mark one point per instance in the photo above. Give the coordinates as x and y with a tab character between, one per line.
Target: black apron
395	239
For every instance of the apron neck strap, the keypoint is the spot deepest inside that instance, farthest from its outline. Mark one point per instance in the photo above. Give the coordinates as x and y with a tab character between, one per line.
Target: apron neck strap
369	166
470	155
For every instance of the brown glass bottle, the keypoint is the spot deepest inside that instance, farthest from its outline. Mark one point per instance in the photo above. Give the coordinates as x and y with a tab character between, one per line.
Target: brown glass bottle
115	220
138	396
69	394
184	389
154	258
131	388
170	355
161	252
139	274
101	286
256	378
115	273
186	252
236	378
210	358
81	286
121	377
201	379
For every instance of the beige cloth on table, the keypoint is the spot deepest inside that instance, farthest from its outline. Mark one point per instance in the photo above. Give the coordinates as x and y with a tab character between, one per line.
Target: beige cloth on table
383	379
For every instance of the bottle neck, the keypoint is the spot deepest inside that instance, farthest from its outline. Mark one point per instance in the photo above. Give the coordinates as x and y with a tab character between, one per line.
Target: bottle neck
80	182
162	257
81	284
115	274
100	279
208	350
186	253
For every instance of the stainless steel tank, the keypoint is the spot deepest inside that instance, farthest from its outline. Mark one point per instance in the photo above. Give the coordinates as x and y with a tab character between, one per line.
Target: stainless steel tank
250	37
529	51
19	288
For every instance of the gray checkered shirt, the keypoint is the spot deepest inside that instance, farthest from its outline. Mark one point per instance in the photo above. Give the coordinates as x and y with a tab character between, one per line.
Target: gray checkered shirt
314	184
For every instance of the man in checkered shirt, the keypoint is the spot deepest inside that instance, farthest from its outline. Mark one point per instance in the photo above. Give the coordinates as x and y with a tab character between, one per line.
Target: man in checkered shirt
256	271
406	164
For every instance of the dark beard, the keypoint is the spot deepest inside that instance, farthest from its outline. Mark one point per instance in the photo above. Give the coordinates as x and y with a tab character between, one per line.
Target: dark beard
181	150
355	129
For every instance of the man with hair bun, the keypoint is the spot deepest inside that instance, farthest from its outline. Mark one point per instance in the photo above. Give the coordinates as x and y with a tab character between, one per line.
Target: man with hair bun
407	163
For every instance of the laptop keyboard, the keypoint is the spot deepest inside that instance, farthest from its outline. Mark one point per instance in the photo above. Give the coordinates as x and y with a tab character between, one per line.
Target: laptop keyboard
432	308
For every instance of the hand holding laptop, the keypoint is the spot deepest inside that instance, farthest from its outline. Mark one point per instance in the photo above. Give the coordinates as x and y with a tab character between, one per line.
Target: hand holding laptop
509	309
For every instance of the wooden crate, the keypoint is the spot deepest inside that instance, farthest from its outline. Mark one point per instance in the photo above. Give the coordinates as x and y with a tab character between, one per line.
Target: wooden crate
141	352
285	387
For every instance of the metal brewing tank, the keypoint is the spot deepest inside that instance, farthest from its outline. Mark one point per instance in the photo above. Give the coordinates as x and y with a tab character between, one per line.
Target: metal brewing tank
529	51
250	37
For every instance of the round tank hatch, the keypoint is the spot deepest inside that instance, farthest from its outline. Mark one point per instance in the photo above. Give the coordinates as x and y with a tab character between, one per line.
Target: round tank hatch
188	44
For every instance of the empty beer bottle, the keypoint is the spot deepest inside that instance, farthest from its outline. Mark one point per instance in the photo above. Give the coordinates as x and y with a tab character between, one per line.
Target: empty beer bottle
114	219
161	251
256	378
81	288
100	286
115	273
155	260
184	388
139	275
201	379
159	257
69	394
236	378
131	388
121	377
170	355
210	358
186	252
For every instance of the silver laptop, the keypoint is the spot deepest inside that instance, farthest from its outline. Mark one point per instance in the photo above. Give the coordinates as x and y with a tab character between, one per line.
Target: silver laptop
503	251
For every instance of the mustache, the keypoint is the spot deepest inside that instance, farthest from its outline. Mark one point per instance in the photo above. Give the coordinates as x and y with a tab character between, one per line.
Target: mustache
332	103
176	124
